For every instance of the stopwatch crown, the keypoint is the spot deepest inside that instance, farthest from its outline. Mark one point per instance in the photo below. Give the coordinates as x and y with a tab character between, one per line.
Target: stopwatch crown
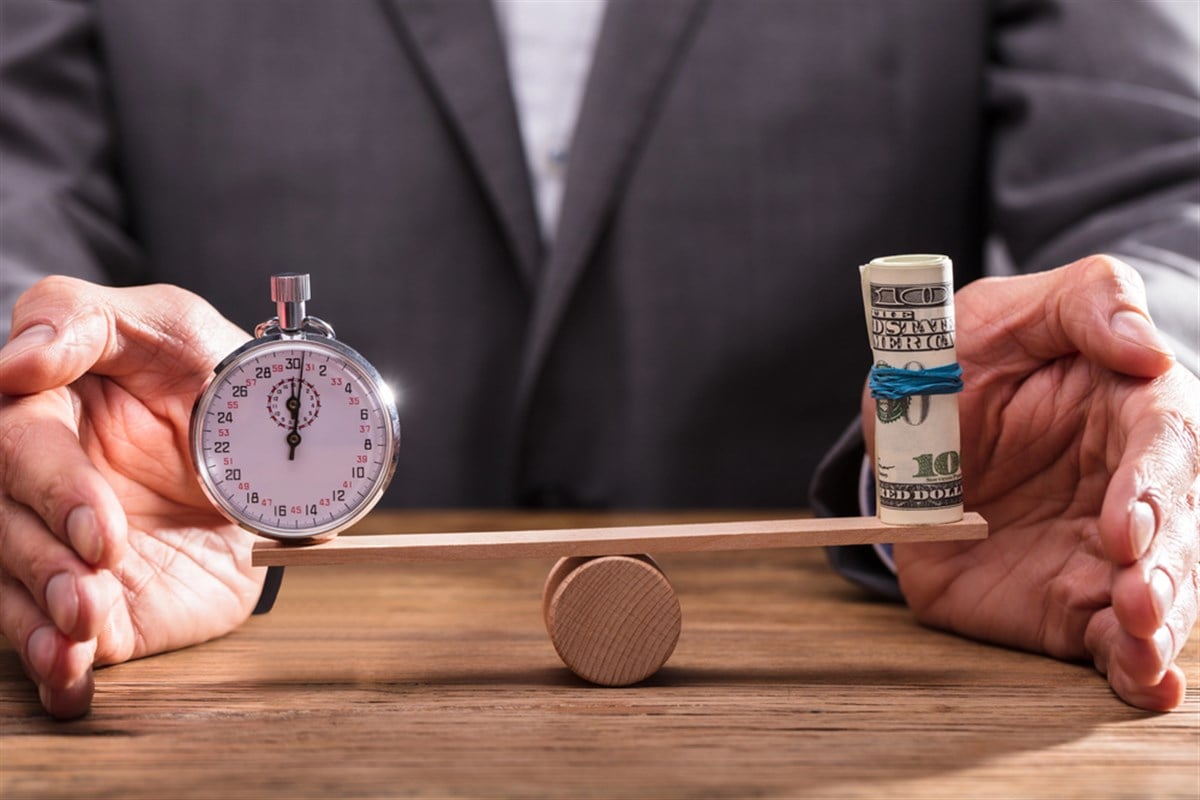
290	287
290	291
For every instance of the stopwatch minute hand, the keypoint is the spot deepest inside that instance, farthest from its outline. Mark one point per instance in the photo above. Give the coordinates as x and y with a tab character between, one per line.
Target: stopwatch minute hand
293	405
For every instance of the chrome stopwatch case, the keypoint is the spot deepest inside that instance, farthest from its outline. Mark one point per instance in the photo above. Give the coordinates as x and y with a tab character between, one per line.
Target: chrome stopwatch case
295	436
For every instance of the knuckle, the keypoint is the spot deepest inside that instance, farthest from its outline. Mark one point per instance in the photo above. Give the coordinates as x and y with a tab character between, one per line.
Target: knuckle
174	295
49	293
14	624
186	310
8	514
188	314
43	490
13	435
59	284
1183	436
76	309
91	331
1102	266
1182	618
50	499
31	566
177	318
39	569
1110	273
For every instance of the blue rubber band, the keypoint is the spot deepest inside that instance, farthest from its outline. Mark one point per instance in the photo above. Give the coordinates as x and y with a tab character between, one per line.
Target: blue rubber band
890	383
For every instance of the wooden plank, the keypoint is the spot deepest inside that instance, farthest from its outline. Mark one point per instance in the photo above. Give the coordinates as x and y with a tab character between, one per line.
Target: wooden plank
692	537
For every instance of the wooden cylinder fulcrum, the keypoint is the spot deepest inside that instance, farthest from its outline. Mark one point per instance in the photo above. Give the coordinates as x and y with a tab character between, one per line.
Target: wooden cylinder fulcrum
614	620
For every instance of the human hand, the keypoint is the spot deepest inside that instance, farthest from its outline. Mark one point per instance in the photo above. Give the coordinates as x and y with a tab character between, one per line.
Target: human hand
1081	447
108	548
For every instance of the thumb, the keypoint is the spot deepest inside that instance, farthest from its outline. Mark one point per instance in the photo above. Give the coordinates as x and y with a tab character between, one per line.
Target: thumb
64	328
1095	306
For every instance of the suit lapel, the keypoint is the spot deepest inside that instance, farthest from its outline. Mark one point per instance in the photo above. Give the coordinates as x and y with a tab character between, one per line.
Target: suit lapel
458	45
638	47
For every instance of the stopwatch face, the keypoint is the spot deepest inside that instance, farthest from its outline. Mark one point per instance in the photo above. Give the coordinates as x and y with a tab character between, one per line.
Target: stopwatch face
294	438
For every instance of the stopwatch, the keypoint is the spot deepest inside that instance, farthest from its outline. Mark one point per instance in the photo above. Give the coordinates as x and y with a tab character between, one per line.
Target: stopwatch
295	436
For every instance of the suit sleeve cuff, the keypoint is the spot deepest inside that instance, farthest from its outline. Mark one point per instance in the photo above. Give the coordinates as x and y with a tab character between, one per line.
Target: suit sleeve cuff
866	507
270	590
839	489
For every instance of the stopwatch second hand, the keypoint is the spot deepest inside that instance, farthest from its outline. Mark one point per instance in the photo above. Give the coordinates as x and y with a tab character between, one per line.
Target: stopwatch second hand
293	406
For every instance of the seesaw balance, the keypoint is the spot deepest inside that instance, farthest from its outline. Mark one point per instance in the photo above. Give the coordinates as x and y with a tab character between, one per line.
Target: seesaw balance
614	618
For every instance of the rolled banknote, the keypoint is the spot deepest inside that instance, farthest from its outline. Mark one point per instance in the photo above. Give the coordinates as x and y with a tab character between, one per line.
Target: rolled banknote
909	303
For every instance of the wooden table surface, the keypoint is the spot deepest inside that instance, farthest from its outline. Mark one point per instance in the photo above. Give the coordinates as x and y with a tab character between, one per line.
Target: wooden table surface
437	679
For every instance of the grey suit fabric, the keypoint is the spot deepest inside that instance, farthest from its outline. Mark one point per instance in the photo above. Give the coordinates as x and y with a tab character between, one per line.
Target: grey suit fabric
694	336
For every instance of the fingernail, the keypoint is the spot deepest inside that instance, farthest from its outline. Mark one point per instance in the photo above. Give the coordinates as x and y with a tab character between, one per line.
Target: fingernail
84	533
41	650
1133	327
1141	527
1165	643
62	600
69	702
1162	590
32	337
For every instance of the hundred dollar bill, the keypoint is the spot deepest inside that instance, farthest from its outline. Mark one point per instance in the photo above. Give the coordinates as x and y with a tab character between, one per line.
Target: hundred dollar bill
909	303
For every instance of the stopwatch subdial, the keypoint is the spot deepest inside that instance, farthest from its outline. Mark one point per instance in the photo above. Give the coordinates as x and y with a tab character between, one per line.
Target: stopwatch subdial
294	407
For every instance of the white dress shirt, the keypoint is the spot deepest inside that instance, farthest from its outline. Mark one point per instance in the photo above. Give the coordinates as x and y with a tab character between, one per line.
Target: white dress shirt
549	44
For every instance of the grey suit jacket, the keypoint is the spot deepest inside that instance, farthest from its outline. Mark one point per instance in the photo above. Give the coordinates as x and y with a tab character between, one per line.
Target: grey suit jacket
694	336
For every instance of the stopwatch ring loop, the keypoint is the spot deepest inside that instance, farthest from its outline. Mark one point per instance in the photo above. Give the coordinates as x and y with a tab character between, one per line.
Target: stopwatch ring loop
309	325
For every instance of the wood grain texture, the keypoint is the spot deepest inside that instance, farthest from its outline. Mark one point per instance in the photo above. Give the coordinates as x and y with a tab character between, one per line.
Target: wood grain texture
437	680
752	534
613	620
